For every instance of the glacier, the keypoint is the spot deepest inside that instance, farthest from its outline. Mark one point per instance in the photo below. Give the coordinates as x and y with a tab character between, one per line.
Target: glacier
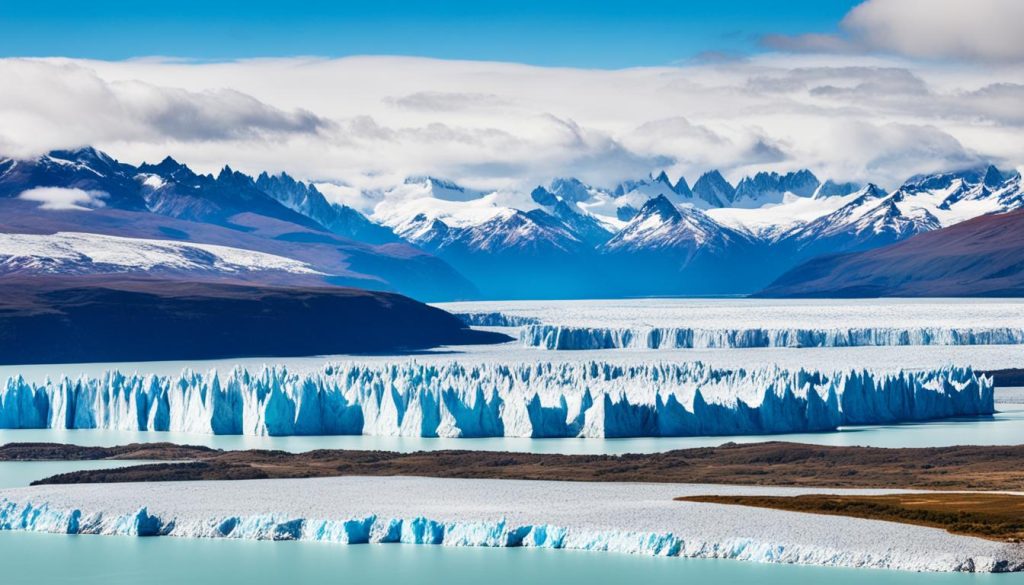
568	337
630	518
450	399
495	319
372	529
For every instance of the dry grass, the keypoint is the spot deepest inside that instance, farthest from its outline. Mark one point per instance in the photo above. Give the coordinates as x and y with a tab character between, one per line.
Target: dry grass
767	464
985	515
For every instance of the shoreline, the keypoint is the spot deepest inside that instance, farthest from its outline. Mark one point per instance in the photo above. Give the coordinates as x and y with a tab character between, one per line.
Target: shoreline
776	464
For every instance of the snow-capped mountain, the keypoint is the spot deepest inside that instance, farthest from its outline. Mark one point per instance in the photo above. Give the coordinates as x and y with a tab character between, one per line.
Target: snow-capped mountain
582	224
662	226
713	189
172	189
85	168
670	249
875	218
630	196
977	257
765	188
566	238
339	219
513	253
766	225
168	201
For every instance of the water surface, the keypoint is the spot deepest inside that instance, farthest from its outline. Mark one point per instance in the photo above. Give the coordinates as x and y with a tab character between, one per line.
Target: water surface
29	558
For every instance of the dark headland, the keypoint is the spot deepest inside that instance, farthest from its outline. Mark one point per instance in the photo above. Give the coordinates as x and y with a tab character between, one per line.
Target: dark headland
103	318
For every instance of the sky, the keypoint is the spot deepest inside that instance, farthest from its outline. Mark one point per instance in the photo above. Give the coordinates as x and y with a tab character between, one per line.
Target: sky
577	33
503	95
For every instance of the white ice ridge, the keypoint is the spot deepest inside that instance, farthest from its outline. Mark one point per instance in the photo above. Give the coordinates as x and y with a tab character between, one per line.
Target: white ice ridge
564	337
638	519
451	399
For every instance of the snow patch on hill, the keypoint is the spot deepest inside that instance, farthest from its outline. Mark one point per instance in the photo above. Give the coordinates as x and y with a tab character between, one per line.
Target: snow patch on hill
72	252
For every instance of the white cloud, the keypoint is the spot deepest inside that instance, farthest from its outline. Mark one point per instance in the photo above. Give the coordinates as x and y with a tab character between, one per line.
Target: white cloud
368	122
981	30
63	199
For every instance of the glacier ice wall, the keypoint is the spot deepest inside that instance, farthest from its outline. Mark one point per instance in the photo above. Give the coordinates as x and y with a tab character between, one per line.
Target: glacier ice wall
562	337
495	319
41	517
451	399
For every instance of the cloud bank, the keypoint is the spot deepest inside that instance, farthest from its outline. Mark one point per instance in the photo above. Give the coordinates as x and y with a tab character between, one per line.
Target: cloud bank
365	122
975	30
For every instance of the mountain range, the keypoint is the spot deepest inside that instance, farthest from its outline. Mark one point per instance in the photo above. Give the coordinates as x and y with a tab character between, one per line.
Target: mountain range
983	256
436	240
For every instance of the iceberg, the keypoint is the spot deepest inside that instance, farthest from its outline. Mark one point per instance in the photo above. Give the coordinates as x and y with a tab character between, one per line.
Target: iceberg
565	337
592	399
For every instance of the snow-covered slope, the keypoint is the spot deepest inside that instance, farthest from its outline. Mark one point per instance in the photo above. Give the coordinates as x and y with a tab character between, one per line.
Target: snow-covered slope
660	225
339	219
538	399
84	253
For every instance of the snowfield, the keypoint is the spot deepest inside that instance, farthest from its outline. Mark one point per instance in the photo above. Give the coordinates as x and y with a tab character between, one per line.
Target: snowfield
632	518
495	399
74	253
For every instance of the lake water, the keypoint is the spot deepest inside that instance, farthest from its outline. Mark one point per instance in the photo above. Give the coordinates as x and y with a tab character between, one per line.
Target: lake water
22	473
111	560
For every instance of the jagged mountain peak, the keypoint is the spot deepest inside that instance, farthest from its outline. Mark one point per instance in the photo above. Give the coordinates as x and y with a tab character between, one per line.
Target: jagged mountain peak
570	189
682	188
769	187
542	196
660	207
714	189
872	191
83	154
984	174
167	168
993	177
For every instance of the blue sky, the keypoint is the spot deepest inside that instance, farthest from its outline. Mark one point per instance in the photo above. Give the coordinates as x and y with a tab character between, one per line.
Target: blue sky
602	34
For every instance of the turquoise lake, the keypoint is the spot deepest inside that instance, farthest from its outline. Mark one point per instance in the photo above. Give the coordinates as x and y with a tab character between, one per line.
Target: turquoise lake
111	560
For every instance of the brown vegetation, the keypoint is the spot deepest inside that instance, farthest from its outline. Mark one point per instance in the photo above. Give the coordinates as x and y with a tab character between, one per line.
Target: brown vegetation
986	515
768	464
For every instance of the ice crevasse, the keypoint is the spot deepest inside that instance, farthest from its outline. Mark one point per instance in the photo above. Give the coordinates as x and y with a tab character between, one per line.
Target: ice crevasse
567	399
